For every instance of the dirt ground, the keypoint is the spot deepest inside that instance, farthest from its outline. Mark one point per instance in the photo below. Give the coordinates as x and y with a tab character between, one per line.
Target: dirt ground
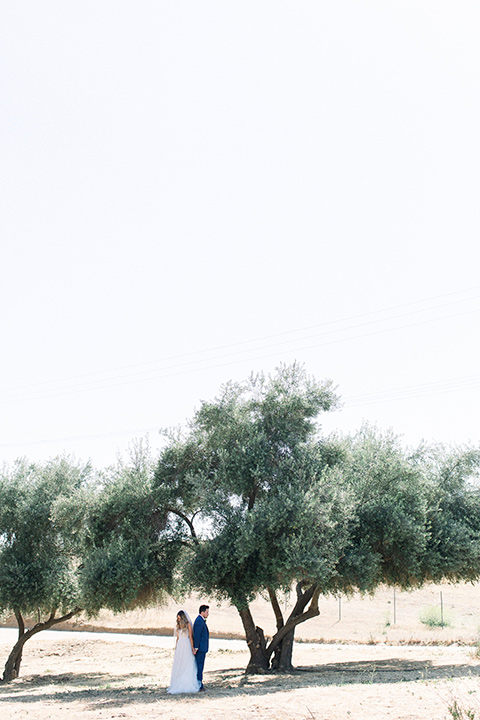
373	671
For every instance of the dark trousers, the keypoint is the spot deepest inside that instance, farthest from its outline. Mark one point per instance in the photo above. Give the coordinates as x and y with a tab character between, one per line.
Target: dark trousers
200	659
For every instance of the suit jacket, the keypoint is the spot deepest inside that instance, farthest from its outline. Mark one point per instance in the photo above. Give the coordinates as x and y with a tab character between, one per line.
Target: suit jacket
200	634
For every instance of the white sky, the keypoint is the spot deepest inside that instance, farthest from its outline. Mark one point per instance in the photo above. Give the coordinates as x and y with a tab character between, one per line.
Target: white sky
191	191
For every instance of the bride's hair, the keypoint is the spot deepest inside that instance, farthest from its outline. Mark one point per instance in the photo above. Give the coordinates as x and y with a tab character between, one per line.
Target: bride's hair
182	620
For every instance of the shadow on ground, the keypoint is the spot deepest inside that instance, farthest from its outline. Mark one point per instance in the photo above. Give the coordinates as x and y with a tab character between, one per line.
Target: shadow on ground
98	689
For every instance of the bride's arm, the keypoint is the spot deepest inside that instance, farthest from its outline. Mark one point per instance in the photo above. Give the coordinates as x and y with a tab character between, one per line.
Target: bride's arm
190	635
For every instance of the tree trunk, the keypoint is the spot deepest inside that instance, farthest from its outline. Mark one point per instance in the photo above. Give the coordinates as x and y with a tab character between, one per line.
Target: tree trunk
281	645
277	653
255	638
284	660
12	666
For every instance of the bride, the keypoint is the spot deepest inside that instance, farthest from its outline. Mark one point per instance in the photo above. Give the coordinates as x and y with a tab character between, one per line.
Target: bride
184	670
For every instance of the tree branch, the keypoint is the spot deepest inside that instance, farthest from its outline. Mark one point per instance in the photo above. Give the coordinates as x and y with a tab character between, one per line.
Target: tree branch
292	622
27	634
187	520
52	620
20	622
303	598
276	607
13	663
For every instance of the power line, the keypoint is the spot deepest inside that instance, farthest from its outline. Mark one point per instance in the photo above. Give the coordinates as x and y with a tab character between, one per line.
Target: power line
161	373
297	331
90	436
407	392
466	382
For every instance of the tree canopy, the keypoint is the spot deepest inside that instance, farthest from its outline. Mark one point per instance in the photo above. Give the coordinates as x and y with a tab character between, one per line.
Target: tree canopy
130	556
42	510
416	516
263	503
251	499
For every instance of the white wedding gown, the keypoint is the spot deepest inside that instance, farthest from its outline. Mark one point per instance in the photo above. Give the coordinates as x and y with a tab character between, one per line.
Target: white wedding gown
184	670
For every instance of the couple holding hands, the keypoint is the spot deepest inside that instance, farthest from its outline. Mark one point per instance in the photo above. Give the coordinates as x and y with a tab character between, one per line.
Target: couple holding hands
190	650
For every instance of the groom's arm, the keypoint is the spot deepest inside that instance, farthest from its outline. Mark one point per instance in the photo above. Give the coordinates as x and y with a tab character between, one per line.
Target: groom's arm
196	635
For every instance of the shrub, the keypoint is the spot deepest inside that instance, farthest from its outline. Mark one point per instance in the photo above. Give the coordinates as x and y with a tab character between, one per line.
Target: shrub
432	617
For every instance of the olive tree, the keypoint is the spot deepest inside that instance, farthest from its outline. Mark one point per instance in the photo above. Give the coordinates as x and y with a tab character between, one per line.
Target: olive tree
452	549
388	530
131	553
416	513
42	509
263	504
73	540
248	494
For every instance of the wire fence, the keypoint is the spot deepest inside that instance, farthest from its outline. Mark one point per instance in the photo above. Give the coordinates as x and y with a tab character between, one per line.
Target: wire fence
435	613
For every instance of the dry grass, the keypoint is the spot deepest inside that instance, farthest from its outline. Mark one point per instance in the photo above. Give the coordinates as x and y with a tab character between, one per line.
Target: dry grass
393	677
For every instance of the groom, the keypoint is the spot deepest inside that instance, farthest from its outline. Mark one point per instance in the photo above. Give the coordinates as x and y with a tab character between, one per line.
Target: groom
200	641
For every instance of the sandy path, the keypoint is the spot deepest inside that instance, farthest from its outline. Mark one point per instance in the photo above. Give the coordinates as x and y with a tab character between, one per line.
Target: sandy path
95	678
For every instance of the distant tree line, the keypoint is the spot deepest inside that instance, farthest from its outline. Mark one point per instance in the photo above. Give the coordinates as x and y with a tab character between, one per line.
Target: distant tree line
251	499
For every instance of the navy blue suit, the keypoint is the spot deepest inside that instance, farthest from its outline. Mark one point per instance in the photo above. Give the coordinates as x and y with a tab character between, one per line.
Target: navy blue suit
200	642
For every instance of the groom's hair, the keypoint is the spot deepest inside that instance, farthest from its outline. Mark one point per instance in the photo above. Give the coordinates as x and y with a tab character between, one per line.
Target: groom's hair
202	608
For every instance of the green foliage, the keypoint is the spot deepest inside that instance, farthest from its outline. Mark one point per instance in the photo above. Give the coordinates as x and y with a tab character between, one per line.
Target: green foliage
387	533
122	575
131	553
416	516
453	523
275	503
460	712
41	534
250	500
250	467
432	617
